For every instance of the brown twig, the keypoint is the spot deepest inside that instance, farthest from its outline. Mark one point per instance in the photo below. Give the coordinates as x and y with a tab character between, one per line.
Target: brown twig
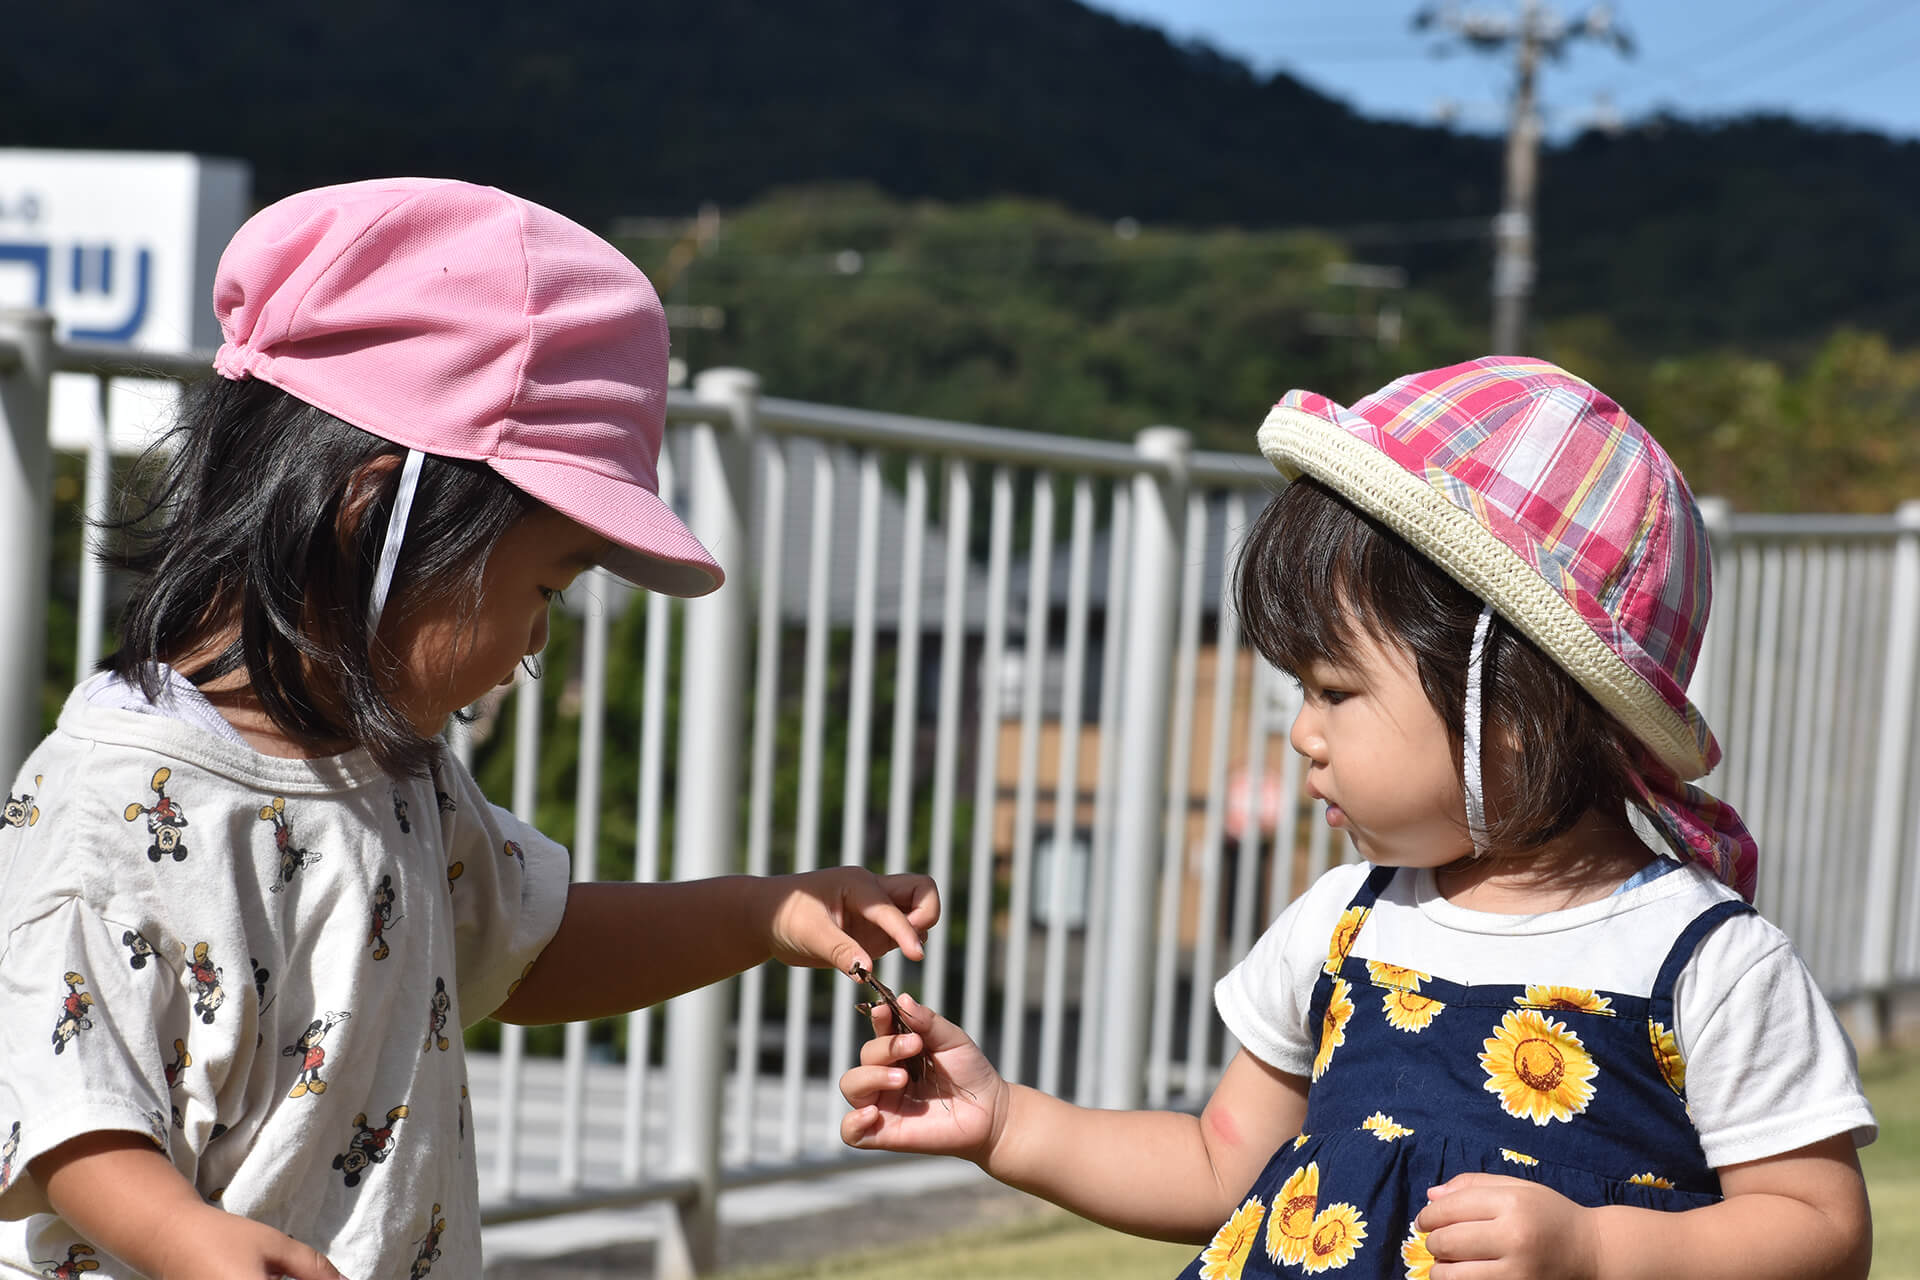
920	1063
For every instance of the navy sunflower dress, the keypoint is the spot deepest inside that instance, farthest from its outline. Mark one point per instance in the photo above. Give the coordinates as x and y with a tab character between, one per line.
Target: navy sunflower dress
1418	1079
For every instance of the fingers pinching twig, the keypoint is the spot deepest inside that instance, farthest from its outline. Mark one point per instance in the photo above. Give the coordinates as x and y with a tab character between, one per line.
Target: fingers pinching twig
917	1065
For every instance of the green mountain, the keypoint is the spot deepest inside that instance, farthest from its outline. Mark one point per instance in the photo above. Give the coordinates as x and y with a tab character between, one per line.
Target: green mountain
1759	230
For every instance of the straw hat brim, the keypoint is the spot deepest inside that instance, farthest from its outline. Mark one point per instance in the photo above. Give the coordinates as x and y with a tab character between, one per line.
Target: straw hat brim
1296	441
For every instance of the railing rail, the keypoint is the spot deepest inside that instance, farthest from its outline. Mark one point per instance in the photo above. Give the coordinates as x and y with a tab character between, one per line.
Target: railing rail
1007	658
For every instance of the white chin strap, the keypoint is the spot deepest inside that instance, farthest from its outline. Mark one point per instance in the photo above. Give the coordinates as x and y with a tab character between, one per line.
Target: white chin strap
1470	734
396	534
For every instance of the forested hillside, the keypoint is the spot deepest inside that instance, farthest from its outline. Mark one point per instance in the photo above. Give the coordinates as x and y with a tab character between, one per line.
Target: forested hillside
1758	231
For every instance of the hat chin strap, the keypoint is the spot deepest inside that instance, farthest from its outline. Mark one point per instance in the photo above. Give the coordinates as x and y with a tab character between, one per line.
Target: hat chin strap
396	534
1470	734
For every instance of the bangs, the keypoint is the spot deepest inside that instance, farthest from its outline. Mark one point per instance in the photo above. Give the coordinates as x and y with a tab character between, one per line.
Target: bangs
1315	575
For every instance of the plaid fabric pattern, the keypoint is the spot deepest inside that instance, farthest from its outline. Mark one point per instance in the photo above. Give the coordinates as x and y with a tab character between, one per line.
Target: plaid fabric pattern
1566	479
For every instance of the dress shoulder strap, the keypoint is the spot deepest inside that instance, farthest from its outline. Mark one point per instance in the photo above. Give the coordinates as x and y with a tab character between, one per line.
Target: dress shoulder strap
1682	952
1371	888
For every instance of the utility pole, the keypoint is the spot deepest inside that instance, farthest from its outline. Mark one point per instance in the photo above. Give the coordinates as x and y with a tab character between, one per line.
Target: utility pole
1536	32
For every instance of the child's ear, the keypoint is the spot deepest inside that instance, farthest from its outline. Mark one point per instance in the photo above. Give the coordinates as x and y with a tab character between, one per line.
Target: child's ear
364	487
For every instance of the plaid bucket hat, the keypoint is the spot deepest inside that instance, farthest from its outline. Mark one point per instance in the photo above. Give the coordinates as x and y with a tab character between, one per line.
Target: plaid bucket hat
1545	499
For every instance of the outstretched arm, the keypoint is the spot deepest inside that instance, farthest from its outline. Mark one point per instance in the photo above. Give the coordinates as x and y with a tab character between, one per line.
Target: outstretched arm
624	946
1164	1174
119	1193
1795	1216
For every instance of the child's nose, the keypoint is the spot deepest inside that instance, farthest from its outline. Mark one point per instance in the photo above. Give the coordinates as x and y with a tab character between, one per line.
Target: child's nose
1304	736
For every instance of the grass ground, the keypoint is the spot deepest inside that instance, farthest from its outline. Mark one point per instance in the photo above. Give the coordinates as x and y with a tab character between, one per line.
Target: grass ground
1893	1164
1057	1246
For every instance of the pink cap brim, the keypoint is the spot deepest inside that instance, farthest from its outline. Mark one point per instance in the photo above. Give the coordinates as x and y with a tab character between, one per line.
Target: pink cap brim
653	548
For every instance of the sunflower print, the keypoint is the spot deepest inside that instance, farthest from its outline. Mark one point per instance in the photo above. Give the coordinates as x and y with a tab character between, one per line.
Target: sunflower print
1292	1221
1337	1233
1419	1258
1333	1026
1396	975
1517	1157
1578	999
1538	1069
1651	1180
1666	1055
1345	931
1226	1257
1384	1127
1410	1011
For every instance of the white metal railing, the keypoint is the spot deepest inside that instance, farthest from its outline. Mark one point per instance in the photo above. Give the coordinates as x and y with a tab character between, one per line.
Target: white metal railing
1069	695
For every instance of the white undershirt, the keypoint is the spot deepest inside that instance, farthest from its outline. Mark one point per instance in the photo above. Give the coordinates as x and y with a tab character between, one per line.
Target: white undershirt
179	700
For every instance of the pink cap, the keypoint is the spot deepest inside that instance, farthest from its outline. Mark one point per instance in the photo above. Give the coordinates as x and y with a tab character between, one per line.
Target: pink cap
463	321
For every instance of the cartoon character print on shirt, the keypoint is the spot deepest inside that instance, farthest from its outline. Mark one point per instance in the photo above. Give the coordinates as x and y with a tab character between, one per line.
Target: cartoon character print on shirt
165	820
73	1017
79	1260
368	1146
291	856
514	851
139	950
444	801
260	976
21	811
429	1247
312	1056
400	814
383	918
181	1061
437	1016
8	1150
208	994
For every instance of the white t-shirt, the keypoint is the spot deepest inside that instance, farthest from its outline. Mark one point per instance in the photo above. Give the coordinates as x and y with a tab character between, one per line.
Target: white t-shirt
1769	1068
263	965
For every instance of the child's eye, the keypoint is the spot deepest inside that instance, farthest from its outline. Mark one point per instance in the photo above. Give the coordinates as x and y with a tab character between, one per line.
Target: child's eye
1334	697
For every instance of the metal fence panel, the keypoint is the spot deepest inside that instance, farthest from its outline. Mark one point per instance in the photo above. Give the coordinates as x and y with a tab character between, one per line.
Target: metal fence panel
1063	726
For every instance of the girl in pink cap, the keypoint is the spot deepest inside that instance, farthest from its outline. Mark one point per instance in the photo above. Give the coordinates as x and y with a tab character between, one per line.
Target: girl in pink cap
1514	1041
252	899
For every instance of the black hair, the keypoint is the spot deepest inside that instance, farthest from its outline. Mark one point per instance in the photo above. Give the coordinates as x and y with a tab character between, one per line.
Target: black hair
234	526
1315	572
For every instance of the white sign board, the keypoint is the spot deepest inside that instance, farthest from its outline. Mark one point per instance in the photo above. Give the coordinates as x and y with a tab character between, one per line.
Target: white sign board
121	248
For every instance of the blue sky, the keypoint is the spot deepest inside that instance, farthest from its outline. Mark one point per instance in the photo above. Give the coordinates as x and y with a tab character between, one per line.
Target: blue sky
1849	61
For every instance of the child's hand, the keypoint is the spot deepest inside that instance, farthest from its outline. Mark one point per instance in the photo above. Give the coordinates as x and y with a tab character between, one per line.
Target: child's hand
956	1108
117	1191
215	1245
843	916
1507	1227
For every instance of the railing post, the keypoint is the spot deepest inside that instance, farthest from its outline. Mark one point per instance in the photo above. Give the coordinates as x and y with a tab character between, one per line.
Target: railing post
1872	1010
1717	515
1159	521
714	678
26	382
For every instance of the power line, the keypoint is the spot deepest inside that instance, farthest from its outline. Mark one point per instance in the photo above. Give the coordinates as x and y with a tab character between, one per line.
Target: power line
1754	61
1761	26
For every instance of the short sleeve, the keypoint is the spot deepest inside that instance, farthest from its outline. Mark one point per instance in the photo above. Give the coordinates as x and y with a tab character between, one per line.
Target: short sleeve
1265	1000
82	1020
1769	1068
509	886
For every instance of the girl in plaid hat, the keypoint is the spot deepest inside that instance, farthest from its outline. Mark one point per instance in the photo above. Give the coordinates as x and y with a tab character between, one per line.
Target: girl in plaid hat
1514	1041
437	405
